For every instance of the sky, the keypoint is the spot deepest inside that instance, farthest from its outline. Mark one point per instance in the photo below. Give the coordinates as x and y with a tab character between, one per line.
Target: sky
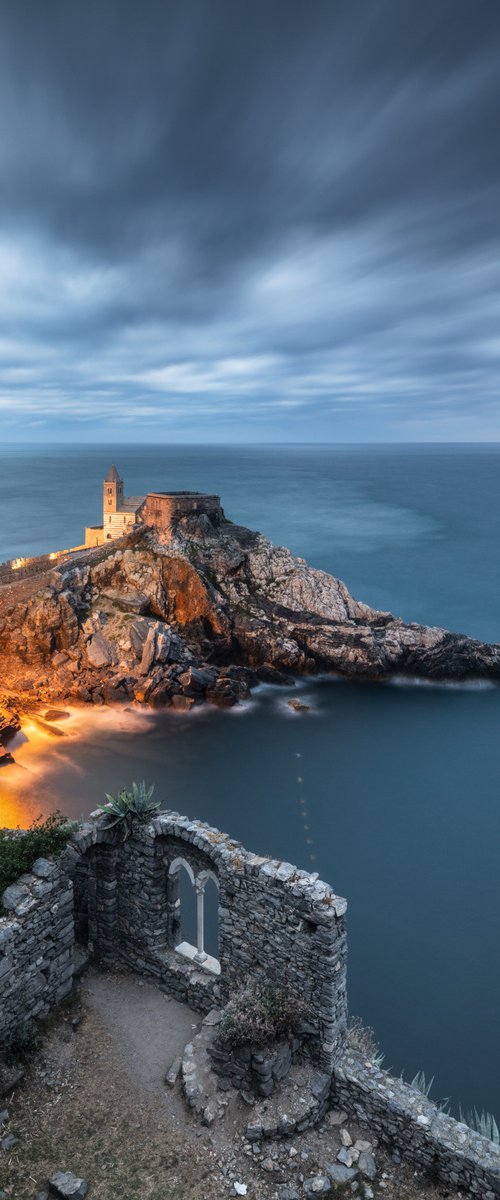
249	220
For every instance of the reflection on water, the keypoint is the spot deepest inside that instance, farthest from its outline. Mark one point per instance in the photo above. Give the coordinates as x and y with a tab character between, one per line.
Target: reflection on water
50	767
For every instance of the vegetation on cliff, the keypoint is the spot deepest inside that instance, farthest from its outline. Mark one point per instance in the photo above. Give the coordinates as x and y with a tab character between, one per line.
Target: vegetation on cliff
20	849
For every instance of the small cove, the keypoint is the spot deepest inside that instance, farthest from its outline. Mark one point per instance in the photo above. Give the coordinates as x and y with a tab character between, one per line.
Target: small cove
389	791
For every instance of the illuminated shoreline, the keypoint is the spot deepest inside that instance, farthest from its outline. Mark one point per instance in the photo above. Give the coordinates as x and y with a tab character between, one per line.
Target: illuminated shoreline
38	751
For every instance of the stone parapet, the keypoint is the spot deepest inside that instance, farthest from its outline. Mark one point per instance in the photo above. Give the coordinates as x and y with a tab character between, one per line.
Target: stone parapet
407	1122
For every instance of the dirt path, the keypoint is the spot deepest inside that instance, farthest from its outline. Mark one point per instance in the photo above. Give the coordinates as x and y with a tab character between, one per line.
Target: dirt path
149	1030
94	1103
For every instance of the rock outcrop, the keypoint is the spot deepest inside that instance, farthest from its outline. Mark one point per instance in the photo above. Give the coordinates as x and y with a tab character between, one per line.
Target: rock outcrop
206	616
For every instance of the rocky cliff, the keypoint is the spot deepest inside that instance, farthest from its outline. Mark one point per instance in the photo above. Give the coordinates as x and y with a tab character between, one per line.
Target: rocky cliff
204	617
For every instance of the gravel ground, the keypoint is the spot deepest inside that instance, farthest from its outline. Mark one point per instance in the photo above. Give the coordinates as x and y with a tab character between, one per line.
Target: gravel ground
94	1102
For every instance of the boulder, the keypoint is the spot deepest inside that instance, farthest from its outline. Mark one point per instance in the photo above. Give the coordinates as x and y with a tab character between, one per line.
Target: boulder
338	1173
366	1164
99	651
68	1186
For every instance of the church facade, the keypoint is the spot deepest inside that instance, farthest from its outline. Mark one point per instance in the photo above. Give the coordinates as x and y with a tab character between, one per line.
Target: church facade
119	513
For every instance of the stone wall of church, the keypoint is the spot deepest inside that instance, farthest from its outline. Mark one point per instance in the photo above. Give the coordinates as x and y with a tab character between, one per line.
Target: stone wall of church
163	509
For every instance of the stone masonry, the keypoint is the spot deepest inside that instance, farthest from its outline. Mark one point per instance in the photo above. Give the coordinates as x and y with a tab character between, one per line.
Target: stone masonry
122	900
36	945
162	509
274	920
410	1124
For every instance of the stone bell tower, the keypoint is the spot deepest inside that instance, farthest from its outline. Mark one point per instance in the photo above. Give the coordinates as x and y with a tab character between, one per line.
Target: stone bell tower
112	493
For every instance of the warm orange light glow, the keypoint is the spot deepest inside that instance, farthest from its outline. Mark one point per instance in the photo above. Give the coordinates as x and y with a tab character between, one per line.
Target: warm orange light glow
31	786
13	812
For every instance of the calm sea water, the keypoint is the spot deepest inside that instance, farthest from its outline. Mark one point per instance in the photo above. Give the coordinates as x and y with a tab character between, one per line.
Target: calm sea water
401	783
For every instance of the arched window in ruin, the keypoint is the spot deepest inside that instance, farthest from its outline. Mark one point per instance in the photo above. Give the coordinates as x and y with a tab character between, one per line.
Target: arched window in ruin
196	953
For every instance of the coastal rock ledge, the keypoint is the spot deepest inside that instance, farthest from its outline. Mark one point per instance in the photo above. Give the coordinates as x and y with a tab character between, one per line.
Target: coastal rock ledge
205	615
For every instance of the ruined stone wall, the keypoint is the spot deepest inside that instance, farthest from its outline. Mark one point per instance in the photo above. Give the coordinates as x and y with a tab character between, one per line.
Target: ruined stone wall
36	945
274	920
162	509
11	574
410	1124
21	584
121	899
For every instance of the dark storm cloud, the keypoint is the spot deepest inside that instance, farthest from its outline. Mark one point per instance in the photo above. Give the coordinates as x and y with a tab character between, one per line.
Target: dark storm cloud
250	217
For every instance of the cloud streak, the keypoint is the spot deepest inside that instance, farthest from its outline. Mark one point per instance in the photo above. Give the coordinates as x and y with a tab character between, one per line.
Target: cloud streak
267	220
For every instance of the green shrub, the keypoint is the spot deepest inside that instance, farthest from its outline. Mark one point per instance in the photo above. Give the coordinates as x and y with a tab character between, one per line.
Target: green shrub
19	850
260	1013
21	1043
128	808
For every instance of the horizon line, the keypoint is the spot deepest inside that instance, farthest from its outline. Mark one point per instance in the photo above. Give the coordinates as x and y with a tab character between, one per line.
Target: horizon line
98	444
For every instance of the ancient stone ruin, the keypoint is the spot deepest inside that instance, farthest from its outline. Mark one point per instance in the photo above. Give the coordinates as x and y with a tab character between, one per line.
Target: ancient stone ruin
273	919
122	904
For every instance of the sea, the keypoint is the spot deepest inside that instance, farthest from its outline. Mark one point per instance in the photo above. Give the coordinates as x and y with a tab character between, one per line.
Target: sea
390	791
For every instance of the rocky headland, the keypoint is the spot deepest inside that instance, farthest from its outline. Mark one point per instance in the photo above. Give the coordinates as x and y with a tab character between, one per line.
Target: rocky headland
204	614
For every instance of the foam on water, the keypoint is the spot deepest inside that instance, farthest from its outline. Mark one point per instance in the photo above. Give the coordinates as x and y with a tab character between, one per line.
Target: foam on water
446	685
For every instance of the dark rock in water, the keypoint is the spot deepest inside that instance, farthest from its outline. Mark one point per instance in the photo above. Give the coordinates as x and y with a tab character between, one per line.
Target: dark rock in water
56	714
299	706
269	674
9	724
196	680
46	727
5	757
68	1186
182	703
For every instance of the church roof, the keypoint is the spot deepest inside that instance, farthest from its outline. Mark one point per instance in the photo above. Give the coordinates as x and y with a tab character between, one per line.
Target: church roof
113	476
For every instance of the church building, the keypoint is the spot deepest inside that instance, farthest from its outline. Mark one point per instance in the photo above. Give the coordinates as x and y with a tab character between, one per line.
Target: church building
119	513
157	510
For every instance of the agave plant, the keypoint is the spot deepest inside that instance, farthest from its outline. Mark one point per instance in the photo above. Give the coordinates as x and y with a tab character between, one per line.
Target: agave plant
483	1123
129	808
422	1084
